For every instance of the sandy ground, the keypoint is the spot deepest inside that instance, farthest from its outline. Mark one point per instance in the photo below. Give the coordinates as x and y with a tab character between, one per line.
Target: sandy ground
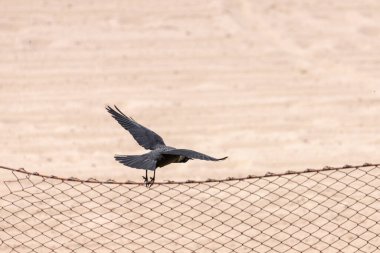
275	86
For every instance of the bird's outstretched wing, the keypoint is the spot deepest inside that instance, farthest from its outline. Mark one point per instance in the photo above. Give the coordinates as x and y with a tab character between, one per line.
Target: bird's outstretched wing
144	136
192	154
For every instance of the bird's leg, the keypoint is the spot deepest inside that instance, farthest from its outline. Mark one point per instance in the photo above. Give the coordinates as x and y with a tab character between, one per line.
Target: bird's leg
146	178
151	182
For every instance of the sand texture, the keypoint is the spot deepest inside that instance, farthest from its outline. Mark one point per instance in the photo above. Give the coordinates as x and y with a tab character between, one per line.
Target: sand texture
275	85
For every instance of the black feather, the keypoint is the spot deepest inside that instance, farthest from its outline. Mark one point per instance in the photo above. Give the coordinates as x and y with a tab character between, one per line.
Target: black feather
192	154
136	161
144	136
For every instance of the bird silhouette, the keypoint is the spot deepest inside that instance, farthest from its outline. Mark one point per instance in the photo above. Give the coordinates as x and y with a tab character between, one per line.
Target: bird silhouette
160	154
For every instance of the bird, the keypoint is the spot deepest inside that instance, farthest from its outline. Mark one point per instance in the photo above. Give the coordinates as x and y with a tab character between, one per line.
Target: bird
159	155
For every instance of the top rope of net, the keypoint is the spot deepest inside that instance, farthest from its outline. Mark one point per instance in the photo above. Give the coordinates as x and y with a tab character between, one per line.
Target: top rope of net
111	181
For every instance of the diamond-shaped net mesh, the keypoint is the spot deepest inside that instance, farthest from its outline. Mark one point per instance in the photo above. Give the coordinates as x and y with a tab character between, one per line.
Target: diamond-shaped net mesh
329	210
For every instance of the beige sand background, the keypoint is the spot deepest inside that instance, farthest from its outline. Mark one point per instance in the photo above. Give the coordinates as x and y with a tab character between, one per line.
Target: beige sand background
275	85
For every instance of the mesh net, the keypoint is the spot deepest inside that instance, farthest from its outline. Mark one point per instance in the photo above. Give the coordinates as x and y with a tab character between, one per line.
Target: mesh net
330	210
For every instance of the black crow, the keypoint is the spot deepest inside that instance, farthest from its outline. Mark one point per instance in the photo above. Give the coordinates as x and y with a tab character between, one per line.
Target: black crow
160	154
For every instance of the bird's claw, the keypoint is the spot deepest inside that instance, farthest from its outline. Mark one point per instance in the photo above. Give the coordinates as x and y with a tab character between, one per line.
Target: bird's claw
151	182
147	183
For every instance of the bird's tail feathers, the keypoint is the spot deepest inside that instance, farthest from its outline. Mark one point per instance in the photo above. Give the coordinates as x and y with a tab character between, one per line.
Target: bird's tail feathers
136	161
